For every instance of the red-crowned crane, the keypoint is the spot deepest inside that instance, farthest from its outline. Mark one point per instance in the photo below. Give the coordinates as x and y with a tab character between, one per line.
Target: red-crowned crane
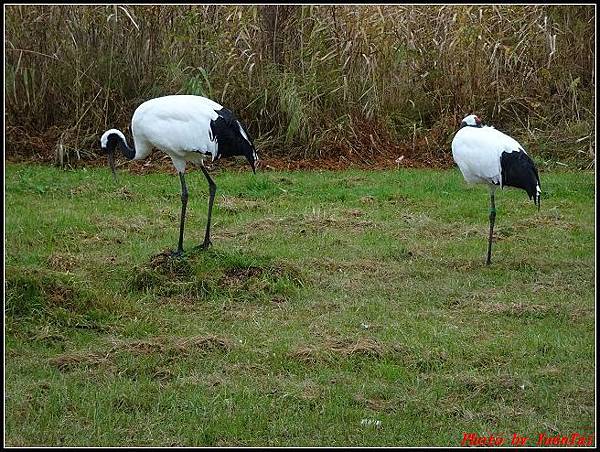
187	128
487	156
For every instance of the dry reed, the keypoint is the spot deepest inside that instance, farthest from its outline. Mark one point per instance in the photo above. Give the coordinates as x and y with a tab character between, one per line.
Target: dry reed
309	81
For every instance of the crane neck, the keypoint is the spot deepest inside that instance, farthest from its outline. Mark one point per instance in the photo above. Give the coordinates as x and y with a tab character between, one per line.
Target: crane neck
127	151
477	126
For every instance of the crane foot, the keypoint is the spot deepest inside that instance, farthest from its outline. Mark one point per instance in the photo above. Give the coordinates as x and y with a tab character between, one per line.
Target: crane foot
177	253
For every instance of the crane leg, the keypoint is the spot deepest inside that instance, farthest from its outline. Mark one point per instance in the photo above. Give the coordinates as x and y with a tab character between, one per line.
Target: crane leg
184	199
492	220
212	189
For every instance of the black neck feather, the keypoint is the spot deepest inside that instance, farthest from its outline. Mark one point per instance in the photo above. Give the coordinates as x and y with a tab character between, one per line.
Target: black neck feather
127	151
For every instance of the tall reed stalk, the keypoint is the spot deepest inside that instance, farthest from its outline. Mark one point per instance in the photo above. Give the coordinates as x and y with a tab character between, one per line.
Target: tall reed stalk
309	81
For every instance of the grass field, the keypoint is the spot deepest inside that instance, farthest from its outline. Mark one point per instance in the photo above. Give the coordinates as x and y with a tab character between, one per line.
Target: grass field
334	308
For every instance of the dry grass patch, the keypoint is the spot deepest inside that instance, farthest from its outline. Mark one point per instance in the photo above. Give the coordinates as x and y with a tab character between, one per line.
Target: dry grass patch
48	334
166	264
316	220
518	309
203	343
309	390
235	276
125	193
182	346
379	404
308	354
69	361
62	262
475	384
178	346
233	204
332	348
356	266
359	347
550	219
319	220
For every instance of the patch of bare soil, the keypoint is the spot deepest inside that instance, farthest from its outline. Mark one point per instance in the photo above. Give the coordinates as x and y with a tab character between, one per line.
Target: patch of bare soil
60	295
233	277
168	264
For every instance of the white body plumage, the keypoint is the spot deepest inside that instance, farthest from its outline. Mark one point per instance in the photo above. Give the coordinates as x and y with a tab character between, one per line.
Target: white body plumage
187	128
487	156
478	150
179	125
477	153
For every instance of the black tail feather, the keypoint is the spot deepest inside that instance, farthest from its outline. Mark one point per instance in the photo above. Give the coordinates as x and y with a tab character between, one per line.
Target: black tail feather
229	133
519	171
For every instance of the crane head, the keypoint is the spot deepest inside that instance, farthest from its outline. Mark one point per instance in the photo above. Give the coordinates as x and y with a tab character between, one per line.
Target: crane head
471	120
108	142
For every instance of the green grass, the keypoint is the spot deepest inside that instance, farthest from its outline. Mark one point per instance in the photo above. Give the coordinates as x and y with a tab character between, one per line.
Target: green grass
328	298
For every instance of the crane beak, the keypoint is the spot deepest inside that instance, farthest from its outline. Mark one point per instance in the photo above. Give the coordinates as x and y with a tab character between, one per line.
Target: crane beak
111	162
253	164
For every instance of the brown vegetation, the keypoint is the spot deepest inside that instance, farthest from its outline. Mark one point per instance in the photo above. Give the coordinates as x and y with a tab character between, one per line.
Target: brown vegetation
334	84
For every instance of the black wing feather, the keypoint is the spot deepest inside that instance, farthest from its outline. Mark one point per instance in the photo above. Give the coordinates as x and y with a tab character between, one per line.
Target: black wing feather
519	171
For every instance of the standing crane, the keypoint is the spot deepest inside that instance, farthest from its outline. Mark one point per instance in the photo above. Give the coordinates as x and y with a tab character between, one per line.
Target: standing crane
487	156
187	128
